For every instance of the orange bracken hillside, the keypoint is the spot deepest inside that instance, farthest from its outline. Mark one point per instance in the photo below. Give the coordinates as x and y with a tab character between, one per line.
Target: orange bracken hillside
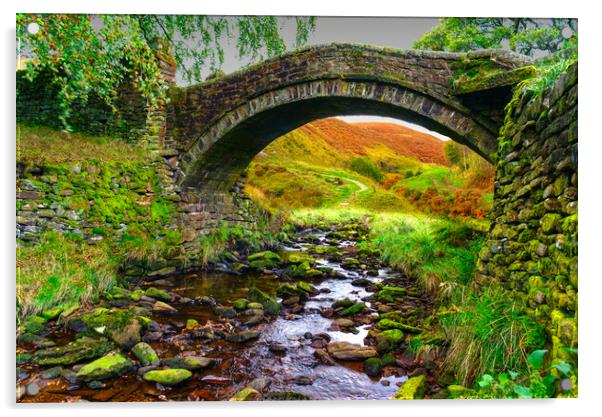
358	137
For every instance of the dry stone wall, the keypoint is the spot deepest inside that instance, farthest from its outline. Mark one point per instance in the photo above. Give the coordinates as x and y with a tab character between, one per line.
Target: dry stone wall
532	244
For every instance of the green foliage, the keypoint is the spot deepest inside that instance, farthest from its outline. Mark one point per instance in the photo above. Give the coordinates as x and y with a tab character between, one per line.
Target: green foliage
550	69
365	166
92	55
536	381
524	35
84	59
489	331
60	270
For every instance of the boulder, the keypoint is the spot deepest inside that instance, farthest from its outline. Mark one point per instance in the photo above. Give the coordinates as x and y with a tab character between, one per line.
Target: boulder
157	294
33	325
344	303
192	363
297	258
259	384
246	394
52	313
389	340
240	304
111	365
243	336
350	351
122	326
164	308
354	309
413	388
74	352
343	323
391	294
286	396
145	354
264	260
388	324
167	376
270	304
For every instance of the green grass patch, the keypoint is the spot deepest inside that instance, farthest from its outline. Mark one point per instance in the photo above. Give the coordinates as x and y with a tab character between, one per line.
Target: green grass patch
61	270
489	332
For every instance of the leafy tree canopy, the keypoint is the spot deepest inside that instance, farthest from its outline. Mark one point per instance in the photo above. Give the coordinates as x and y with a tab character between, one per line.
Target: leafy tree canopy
525	35
89	54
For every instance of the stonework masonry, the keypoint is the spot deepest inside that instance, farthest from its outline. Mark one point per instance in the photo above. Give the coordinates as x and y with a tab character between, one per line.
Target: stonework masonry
532	244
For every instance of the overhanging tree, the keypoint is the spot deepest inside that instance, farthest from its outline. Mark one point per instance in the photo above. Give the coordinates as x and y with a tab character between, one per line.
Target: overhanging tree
88	54
525	35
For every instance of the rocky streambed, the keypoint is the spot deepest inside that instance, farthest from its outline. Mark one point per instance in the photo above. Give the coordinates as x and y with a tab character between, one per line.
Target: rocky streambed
319	319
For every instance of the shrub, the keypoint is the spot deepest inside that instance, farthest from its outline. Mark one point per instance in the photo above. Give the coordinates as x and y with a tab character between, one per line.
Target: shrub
366	167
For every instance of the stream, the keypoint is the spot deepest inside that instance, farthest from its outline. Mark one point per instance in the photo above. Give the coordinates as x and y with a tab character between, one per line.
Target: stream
281	362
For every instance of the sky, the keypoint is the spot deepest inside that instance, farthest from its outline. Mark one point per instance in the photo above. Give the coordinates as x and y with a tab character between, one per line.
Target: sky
393	32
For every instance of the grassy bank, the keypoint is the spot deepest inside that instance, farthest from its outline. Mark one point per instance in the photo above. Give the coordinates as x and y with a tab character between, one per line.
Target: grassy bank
97	213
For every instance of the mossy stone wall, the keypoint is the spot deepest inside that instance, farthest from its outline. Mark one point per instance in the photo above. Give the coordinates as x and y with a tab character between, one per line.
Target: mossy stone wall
532	244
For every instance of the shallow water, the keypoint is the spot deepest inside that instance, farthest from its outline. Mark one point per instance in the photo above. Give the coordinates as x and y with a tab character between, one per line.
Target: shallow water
296	370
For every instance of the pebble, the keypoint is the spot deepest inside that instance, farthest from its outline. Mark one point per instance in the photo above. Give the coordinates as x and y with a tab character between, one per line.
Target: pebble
32	389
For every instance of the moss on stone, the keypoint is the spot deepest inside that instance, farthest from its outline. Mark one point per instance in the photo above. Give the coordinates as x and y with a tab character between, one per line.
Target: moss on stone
111	365
270	304
414	388
145	354
168	376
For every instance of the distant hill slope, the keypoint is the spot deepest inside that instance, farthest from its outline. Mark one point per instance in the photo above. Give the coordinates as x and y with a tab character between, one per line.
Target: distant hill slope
376	166
349	140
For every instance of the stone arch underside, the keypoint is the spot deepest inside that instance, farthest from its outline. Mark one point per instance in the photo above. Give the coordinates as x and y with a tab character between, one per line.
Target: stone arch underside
215	160
217	127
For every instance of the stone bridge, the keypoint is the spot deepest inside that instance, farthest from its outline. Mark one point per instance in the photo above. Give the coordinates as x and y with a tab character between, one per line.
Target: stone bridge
218	126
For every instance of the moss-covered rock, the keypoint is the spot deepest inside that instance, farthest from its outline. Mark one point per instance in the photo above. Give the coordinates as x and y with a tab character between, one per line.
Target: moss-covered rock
111	365
288	290
191	324
344	303
388	340
391	294
550	222
167	376
242	336
122	326
52	313
192	363
354	309
74	352
458	391
372	366
240	304
286	396
297	258
157	294
388	324
264	260
246	394
414	388
33	325
136	294
270	304
145	354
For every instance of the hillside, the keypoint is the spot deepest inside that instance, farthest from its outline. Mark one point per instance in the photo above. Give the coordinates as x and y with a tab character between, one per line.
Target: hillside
384	166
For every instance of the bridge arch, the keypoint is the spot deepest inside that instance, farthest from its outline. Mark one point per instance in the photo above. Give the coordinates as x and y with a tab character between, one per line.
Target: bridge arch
221	125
